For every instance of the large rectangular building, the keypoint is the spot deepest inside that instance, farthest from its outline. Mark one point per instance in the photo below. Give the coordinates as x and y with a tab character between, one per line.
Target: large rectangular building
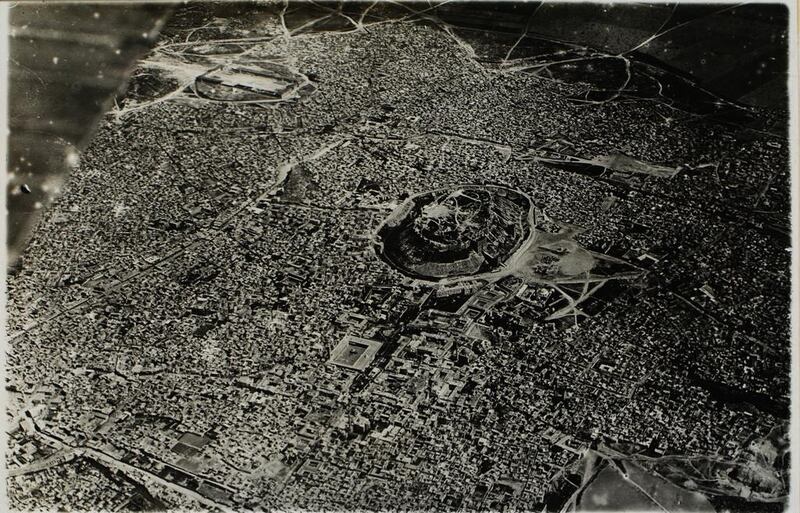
354	352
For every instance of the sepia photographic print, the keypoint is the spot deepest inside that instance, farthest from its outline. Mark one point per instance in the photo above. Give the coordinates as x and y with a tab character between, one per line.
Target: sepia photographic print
399	256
